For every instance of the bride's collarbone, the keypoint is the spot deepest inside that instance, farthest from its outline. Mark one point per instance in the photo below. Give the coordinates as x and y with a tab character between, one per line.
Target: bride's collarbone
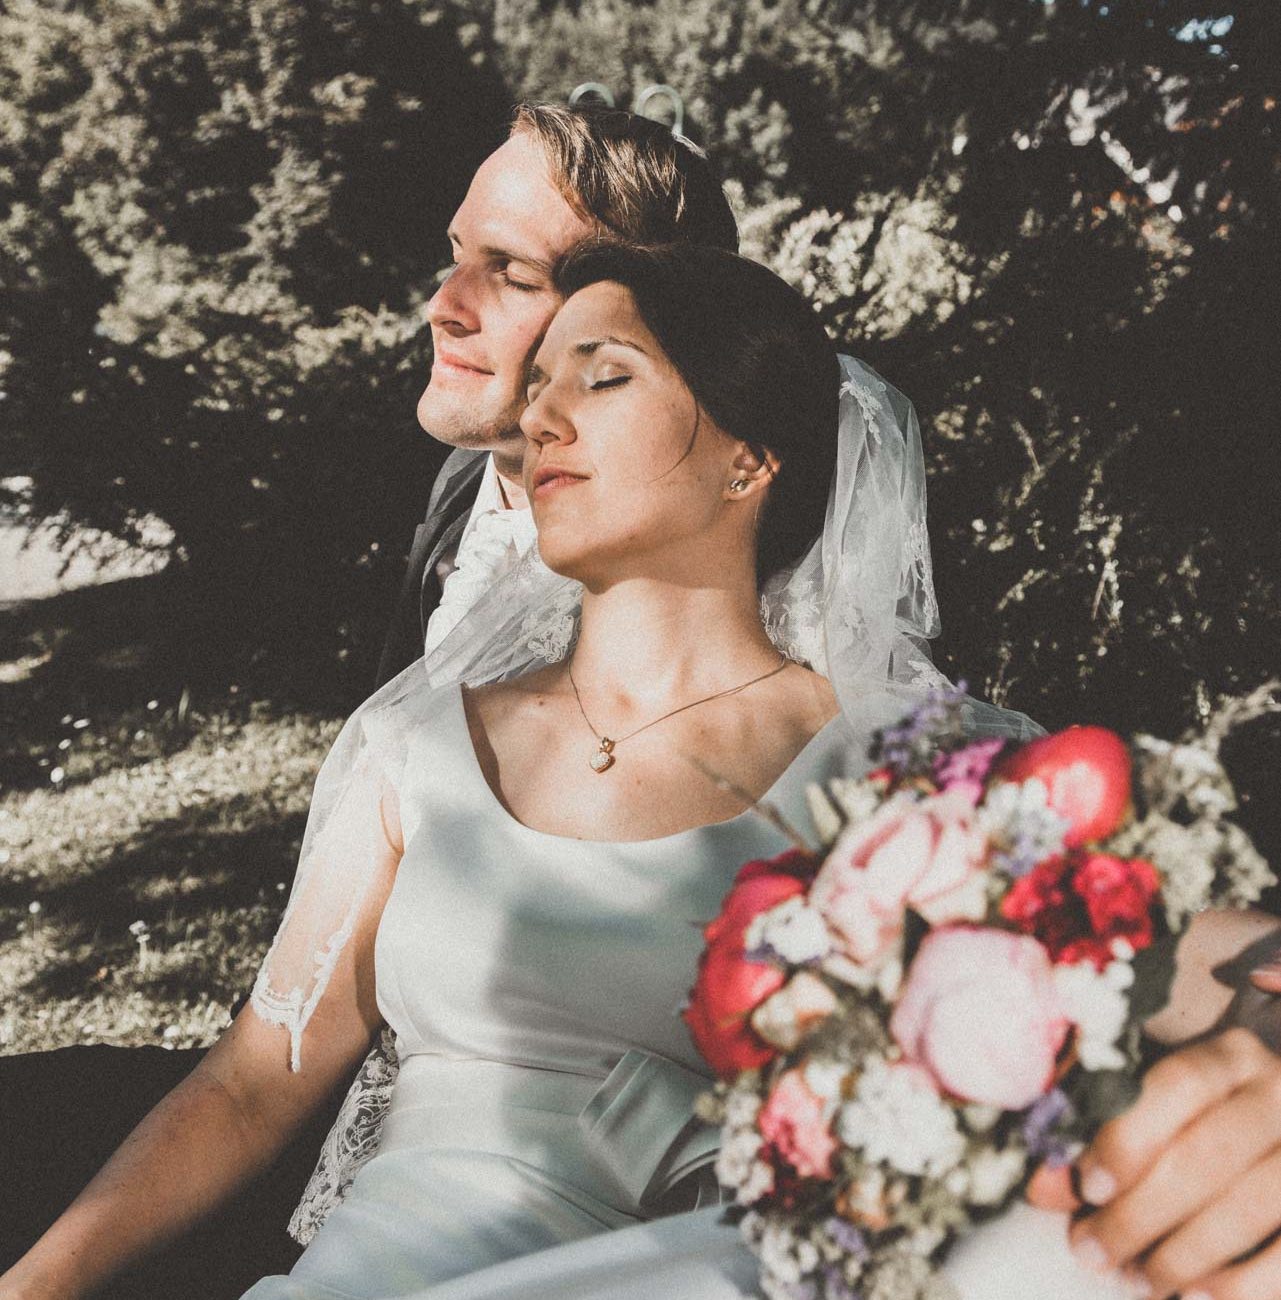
537	758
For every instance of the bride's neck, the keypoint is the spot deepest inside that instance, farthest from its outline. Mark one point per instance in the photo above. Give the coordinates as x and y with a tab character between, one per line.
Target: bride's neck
649	644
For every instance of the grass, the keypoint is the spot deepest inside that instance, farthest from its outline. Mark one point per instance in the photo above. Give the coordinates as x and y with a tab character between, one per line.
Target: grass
147	841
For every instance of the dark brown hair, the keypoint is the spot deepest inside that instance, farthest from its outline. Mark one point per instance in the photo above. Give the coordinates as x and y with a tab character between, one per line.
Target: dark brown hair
754	354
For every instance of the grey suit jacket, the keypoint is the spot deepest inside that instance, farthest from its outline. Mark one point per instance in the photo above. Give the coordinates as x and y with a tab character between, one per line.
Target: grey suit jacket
448	507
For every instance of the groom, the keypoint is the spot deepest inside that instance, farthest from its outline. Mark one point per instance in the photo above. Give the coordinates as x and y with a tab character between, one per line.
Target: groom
562	176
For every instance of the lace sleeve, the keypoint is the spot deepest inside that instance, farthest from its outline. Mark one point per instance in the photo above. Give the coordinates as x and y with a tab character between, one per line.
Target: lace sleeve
352	827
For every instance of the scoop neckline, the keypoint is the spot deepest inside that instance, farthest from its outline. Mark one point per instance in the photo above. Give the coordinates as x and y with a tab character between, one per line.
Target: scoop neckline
479	773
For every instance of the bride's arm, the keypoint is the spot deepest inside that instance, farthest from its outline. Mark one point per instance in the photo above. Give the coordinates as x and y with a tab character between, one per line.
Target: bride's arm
217	1130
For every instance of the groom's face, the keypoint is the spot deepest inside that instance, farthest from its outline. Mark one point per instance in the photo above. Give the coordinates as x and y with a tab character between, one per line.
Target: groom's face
494	305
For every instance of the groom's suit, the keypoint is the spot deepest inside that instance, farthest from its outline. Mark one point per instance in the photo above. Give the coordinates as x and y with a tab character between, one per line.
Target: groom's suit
435	542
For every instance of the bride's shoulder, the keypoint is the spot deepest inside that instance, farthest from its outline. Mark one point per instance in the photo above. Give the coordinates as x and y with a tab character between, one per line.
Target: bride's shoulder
515	703
811	699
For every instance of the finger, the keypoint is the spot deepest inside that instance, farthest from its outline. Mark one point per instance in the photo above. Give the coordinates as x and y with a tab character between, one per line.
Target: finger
1222	1143
1234	1223
1050	1188
1267	978
1173	1093
1257	1278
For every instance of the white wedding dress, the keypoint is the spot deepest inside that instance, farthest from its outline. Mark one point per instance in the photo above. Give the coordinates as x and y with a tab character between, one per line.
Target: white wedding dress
541	1117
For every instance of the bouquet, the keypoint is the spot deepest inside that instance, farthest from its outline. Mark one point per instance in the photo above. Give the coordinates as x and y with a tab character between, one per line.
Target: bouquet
951	989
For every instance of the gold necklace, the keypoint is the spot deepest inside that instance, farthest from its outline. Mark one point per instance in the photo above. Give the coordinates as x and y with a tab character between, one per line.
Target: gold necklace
603	758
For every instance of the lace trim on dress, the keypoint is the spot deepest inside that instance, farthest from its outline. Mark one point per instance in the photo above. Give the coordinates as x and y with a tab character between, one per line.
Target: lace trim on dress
352	1140
291	1009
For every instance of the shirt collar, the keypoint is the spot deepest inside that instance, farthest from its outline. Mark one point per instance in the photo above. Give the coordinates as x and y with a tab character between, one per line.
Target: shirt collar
489	500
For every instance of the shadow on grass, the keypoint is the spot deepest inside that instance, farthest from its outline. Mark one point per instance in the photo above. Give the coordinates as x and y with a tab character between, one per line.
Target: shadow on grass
191	880
105	652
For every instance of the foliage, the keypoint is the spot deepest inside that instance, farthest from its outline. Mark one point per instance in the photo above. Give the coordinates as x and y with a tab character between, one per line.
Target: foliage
1054	226
219	227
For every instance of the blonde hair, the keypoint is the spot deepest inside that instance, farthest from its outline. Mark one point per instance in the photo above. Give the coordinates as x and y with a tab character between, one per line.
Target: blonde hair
630	176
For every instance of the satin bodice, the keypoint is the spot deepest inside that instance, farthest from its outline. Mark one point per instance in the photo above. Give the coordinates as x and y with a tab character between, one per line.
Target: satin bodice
503	943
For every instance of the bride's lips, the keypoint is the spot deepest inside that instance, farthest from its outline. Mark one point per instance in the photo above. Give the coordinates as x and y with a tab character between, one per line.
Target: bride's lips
549	478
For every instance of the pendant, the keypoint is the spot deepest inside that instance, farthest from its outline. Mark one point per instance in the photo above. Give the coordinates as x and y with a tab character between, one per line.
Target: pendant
603	759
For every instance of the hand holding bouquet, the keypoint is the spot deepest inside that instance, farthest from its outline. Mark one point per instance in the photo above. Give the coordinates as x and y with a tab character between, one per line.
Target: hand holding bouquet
951	990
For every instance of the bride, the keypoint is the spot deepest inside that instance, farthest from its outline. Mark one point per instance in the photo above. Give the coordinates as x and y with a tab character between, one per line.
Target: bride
512	874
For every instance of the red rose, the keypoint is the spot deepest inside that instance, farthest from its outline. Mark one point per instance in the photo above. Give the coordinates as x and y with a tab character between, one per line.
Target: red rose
758	886
730	986
1086	773
1078	905
1118	895
1040	904
727	990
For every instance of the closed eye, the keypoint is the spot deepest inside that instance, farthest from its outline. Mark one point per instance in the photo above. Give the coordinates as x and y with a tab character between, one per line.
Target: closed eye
610	383
517	284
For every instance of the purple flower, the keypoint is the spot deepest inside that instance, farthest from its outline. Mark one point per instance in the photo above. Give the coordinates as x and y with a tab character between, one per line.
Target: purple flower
1041	1122
847	1236
910	746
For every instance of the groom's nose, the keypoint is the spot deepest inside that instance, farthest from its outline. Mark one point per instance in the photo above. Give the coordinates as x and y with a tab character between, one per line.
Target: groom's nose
454	304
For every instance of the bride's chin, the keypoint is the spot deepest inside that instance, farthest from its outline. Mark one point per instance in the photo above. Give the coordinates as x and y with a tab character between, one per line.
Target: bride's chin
571	557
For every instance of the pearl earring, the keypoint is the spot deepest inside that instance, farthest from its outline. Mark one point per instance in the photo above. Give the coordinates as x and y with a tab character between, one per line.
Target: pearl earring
738	485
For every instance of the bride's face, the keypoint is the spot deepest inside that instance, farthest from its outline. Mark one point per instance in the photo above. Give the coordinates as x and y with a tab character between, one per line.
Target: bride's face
626	474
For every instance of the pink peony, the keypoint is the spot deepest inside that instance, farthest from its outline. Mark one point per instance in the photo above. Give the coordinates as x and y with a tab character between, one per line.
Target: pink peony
927	854
981	1013
796	1123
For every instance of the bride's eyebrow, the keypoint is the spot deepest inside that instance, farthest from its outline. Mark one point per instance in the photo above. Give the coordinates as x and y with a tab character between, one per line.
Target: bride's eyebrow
585	349
588	346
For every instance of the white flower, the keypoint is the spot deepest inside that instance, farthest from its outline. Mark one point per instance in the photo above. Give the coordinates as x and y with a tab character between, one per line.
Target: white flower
1096	1002
741	1109
858	800
740	1142
889	977
824	1078
993	1173
1017	814
926	1239
736	1157
784	1019
981	1118
777	1250
793	929
840	967
759	1182
896	1116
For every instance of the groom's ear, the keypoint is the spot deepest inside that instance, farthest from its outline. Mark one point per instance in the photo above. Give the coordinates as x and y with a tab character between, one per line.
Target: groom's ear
751	471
